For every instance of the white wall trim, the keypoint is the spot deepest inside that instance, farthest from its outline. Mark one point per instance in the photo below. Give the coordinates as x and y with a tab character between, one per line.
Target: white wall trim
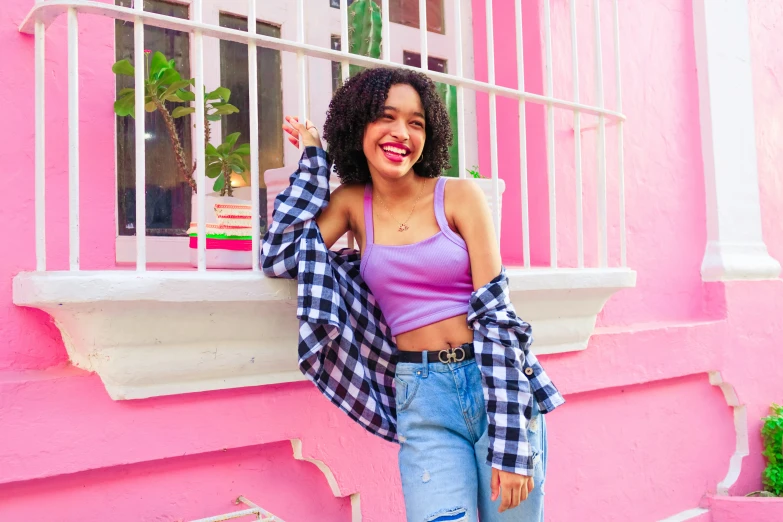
742	448
156	333
689	514
735	246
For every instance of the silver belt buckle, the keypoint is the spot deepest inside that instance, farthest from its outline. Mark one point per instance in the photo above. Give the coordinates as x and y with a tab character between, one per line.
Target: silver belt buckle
452	355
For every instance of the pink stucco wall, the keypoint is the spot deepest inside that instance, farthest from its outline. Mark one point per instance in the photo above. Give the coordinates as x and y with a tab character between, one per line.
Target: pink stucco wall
644	435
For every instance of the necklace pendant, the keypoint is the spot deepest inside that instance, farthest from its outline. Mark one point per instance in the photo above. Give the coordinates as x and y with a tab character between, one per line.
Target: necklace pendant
403	227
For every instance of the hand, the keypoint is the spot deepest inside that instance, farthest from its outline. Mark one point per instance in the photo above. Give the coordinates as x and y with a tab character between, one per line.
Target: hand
308	132
514	488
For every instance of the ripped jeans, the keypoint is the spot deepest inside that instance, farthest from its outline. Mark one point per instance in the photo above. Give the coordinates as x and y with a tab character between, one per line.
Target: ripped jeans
442	424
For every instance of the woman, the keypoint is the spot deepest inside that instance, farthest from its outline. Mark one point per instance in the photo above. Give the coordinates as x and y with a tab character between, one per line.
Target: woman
444	366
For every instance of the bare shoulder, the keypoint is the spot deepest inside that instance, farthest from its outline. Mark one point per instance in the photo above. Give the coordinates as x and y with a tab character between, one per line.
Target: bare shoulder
347	196
463	194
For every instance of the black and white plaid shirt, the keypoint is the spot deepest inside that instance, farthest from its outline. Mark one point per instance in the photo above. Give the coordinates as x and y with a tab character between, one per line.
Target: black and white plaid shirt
347	349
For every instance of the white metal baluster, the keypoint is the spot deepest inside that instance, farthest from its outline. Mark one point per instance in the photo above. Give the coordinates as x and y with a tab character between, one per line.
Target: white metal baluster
619	108
522	136
385	31
301	66
580	248
493	121
201	184
460	137
603	244
344	43
141	151
40	147
423	34
550	136
73	138
252	74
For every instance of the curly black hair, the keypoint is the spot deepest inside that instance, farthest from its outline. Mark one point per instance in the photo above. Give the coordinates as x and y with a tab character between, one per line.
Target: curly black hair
360	101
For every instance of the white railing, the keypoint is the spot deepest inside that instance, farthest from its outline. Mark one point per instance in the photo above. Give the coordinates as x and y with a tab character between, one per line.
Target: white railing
44	12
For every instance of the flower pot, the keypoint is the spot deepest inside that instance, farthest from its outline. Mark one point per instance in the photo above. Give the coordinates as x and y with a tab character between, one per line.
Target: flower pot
730	509
486	188
229	230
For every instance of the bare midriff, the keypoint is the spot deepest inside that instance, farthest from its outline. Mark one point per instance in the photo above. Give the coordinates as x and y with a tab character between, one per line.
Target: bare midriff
442	335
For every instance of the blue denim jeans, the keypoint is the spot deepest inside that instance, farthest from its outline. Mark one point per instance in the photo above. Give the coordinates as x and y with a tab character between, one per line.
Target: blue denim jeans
442	424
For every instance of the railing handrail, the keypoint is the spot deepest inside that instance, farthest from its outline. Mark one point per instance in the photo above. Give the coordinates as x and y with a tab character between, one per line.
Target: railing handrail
48	11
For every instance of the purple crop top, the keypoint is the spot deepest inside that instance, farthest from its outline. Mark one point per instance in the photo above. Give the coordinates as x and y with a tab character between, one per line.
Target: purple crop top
422	283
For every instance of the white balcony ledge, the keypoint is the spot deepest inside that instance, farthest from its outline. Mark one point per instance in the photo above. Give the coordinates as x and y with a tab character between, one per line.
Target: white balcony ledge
163	333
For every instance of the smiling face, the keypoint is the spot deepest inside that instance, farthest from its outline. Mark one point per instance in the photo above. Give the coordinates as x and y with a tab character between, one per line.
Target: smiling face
394	142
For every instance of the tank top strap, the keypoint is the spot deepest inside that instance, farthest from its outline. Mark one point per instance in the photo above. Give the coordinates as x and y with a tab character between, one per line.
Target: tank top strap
440	206
368	224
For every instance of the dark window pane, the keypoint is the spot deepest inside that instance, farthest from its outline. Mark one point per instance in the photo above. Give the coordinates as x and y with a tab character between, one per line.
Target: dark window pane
406	12
167	194
234	76
433	63
337	70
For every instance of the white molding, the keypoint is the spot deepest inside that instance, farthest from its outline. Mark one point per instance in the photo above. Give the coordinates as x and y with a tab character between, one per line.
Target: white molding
562	304
169	332
742	448
735	246
689	514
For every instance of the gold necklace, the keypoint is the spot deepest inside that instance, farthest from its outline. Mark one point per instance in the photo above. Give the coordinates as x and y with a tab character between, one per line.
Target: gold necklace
403	226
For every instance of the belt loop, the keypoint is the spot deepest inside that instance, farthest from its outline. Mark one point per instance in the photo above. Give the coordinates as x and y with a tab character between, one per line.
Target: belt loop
425	363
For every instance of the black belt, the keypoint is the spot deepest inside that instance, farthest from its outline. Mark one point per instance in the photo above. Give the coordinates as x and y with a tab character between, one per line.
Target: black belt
450	355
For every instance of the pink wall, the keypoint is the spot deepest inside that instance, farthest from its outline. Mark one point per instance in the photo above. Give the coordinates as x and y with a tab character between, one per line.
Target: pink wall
643	423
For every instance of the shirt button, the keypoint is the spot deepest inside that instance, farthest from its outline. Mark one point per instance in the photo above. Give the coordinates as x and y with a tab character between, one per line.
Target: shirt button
528	371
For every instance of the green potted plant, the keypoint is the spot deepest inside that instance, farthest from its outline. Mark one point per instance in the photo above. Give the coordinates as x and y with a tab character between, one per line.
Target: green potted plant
162	83
229	222
229	217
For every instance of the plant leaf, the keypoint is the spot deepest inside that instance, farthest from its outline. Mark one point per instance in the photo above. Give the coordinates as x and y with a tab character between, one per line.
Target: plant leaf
125	106
236	168
158	63
245	177
182	111
214	169
225	108
169	77
150	107
181	84
231	139
126	91
213	117
243	150
186	95
124	68
211	150
219	182
221	93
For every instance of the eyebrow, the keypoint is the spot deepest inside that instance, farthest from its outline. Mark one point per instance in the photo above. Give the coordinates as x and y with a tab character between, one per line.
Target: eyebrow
395	109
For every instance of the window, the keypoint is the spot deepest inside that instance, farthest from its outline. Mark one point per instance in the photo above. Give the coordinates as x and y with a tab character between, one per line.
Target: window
167	195
406	12
225	64
234	76
337	70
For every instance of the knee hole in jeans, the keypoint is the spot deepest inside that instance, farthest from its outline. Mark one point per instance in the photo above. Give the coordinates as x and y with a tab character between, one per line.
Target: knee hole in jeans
457	514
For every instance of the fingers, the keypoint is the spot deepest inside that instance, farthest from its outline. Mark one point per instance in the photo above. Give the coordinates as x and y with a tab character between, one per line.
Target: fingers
506	498
494	484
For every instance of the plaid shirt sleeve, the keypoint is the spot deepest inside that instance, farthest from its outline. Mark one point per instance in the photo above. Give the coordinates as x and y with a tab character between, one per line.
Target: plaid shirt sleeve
511	374
303	200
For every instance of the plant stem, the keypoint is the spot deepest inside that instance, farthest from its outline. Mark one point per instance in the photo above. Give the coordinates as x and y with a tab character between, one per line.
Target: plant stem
228	190
179	153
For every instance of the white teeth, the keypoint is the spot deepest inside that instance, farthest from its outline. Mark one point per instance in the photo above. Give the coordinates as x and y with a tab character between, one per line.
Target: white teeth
395	150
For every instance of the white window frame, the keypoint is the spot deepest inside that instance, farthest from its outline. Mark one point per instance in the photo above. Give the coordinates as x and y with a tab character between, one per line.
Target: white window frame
173	249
